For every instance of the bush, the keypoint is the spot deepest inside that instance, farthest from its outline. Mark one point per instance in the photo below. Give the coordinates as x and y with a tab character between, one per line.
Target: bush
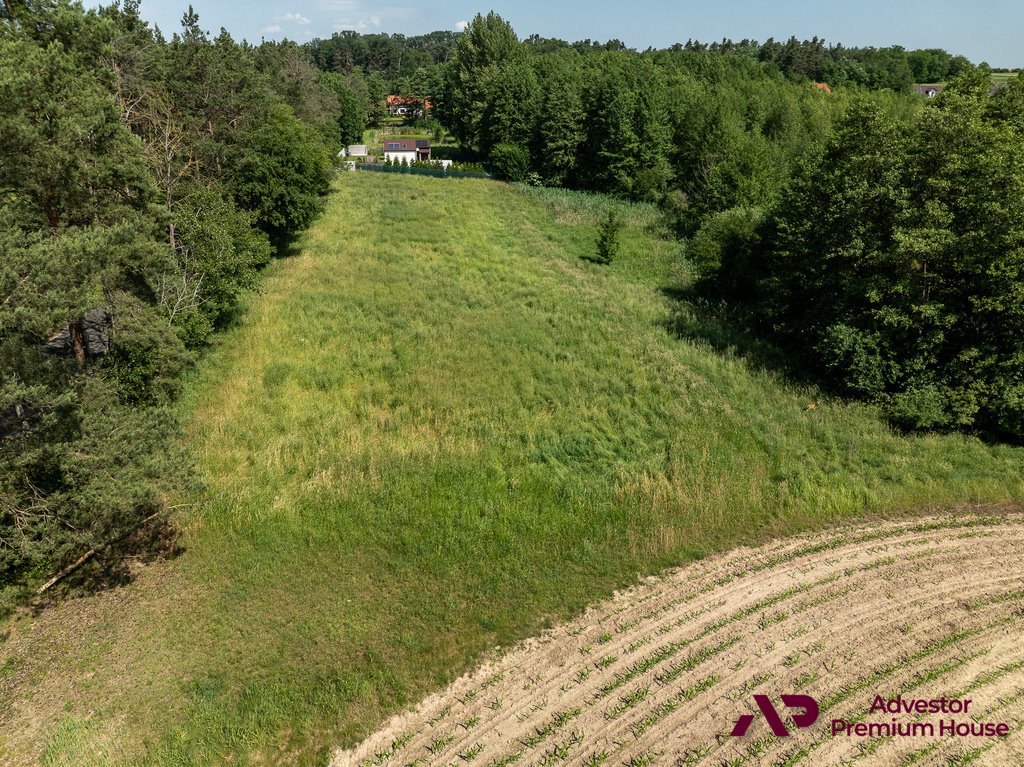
608	238
510	162
218	250
279	172
724	250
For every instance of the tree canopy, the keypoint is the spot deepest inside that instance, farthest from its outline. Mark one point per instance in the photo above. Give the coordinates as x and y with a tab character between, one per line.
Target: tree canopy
894	262
144	183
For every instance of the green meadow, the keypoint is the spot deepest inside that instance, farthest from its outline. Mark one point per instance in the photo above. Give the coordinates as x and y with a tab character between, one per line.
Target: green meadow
437	429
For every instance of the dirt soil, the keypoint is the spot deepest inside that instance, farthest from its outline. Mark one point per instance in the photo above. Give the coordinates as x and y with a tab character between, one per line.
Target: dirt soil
659	674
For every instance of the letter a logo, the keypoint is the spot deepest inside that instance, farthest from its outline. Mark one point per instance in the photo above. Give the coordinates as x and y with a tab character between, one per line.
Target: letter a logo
806	719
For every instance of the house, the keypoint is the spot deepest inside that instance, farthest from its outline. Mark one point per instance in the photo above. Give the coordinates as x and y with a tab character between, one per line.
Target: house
356	150
407	105
823	87
410	150
928	90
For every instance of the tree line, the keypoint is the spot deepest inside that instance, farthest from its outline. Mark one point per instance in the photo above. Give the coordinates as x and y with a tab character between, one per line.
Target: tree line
145	181
891	67
398	59
696	130
892	264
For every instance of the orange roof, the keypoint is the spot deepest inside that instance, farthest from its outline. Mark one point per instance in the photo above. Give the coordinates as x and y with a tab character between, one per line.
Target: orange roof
823	87
407	101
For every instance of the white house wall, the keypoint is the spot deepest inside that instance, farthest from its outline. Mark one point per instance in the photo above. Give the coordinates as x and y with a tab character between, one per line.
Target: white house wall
390	154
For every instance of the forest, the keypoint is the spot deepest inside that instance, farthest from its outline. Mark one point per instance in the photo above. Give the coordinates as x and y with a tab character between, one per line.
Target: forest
145	183
872	234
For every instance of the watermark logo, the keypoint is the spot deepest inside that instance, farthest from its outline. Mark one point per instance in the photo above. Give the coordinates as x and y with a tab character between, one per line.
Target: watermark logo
805	719
915	725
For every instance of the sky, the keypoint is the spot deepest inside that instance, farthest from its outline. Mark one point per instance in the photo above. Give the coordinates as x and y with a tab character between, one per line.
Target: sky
982	30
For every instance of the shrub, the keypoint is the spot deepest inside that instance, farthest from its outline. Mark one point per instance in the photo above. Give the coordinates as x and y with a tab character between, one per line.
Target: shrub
279	172
510	162
724	249
608	238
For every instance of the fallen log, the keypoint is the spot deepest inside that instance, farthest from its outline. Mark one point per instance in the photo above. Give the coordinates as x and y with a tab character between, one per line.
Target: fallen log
89	555
66	571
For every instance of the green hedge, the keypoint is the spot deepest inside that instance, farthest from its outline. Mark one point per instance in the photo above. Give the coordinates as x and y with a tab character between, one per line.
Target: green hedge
436	172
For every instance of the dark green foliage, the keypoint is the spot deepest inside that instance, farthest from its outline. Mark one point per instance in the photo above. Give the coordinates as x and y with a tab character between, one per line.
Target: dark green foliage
628	133
135	173
332	103
890	68
84	435
216	246
510	162
280	171
716	132
67	159
608	238
79	472
894	264
740	135
725	251
351	112
935	65
393	58
612	143
481	78
560	129
510	106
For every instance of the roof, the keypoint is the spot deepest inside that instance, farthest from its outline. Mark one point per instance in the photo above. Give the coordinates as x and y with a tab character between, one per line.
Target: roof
408	101
405	144
925	88
823	87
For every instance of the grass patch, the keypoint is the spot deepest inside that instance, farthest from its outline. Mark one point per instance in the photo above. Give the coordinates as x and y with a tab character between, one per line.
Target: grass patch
435	430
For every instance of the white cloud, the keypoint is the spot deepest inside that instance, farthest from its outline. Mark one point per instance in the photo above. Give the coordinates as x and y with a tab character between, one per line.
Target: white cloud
273	29
361	16
362	25
341	5
298	18
460	26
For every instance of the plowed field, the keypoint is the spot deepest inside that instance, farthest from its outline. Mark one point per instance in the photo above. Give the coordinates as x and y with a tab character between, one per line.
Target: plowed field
661	673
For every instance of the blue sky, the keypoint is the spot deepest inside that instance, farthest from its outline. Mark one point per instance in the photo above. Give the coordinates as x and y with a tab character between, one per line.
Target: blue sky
982	30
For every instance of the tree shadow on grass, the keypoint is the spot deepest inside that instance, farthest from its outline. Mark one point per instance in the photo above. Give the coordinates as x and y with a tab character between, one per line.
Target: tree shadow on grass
289	248
116	565
726	329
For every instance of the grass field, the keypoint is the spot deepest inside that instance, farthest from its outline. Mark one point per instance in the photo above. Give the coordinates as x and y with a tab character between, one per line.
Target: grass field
436	430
